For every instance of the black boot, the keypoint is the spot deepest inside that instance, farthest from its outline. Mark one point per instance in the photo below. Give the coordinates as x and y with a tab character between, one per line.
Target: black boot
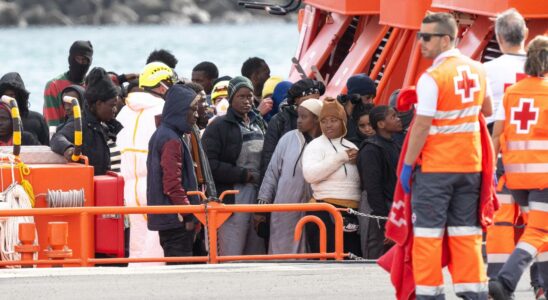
498	291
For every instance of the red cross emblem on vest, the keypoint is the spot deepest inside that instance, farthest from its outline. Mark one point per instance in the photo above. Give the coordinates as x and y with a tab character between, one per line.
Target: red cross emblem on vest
524	115
466	83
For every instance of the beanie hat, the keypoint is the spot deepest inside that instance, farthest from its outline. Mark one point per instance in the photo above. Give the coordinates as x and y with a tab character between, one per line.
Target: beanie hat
237	83
269	85
278	96
99	86
280	91
83	48
332	108
361	84
304	87
313	105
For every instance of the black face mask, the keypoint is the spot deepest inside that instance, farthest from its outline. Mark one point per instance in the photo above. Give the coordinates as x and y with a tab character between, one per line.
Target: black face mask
77	71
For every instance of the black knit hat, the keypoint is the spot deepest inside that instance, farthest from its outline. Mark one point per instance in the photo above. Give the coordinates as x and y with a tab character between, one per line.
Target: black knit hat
99	86
304	87
237	83
83	48
362	85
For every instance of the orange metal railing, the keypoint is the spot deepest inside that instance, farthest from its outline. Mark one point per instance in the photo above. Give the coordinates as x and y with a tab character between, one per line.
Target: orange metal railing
211	214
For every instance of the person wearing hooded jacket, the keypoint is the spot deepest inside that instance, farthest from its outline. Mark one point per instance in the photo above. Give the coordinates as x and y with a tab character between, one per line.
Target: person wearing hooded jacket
171	171
100	110
286	119
80	58
138	117
12	85
377	163
233	145
284	181
6	129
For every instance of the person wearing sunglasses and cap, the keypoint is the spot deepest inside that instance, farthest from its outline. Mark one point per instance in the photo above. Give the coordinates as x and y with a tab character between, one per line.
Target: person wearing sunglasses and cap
139	120
446	184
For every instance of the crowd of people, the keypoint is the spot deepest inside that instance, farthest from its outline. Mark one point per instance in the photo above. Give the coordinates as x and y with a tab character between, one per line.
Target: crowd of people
277	141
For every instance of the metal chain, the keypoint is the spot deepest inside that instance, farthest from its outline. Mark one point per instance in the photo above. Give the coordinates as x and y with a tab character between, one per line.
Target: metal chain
357	213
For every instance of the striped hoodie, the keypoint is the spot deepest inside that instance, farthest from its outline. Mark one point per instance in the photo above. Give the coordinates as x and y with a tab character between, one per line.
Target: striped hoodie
54	112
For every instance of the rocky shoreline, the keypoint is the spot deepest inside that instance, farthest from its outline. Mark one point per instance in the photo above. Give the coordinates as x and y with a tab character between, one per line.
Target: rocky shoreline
22	13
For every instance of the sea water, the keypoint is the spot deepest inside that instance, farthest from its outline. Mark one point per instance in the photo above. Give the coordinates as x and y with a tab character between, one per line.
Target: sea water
41	53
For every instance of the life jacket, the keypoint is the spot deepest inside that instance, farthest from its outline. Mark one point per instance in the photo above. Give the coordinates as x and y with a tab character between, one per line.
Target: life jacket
453	143
524	141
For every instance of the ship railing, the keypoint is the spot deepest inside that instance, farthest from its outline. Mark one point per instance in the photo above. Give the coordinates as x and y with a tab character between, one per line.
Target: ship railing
212	214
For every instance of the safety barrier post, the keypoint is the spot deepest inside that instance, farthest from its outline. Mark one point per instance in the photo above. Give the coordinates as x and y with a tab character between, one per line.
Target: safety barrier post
339	237
321	227
212	231
84	238
57	242
26	247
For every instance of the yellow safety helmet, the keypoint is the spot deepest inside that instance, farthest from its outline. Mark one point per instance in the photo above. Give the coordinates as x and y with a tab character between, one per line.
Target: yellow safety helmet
155	72
219	90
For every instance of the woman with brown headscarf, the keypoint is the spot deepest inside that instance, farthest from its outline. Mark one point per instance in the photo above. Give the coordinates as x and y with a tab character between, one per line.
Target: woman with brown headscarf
329	165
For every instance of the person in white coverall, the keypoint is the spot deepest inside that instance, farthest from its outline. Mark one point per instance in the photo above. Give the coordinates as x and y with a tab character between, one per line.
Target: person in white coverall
138	119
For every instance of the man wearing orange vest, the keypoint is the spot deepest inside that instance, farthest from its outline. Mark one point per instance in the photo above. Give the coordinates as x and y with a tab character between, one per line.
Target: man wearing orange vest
446	182
520	131
511	32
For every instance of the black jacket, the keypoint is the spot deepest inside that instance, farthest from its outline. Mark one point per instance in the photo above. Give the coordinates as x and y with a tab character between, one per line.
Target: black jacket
377	163
35	124
282	123
94	145
222	142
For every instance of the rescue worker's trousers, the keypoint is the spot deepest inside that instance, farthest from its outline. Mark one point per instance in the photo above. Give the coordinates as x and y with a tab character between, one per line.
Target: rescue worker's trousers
500	241
449	201
534	241
501	237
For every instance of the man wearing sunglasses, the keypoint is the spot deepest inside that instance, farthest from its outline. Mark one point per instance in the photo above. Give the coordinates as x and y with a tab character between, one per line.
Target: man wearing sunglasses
446	181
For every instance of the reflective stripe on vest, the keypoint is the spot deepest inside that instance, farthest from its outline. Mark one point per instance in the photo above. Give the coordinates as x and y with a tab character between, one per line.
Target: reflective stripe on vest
465	127
457	113
453	143
526	168
524	140
527	145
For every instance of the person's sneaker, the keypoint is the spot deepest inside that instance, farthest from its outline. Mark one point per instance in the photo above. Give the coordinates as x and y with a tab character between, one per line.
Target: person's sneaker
498	292
539	293
350	227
